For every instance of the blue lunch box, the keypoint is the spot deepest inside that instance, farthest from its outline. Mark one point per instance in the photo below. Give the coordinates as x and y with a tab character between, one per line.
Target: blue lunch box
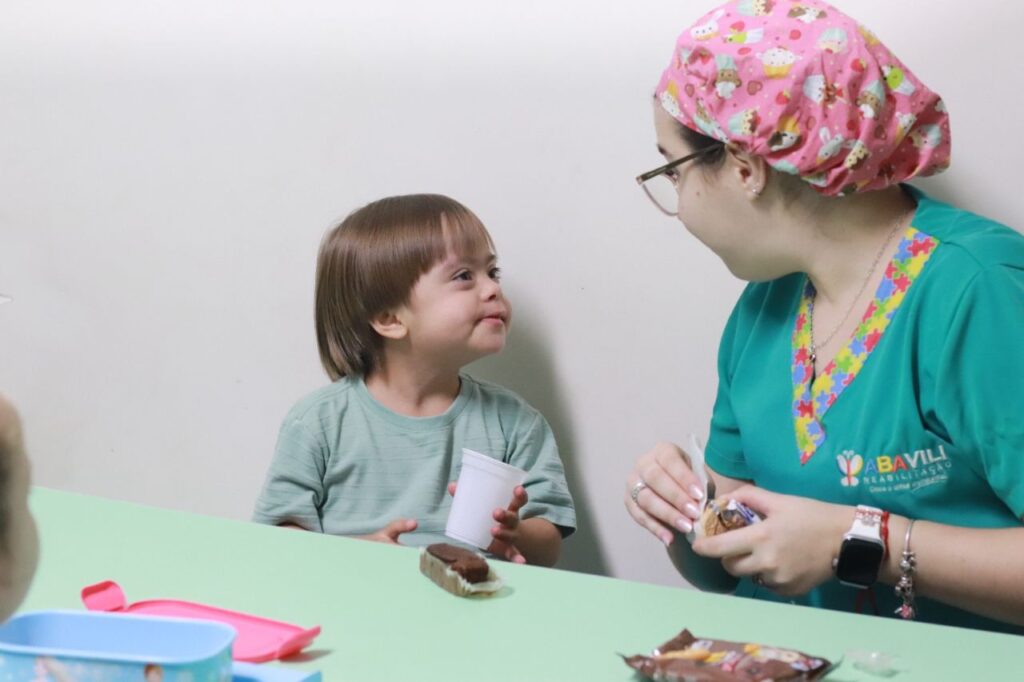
76	646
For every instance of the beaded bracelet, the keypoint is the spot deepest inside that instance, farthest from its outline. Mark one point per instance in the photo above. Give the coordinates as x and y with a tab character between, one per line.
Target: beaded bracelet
905	585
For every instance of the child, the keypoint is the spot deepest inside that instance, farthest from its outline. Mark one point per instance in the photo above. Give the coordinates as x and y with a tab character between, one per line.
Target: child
407	294
19	543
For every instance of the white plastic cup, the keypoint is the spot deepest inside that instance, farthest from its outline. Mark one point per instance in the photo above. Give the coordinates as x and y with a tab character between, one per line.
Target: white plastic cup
485	484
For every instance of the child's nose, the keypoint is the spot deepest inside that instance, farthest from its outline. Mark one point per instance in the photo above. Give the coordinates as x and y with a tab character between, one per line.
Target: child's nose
491	289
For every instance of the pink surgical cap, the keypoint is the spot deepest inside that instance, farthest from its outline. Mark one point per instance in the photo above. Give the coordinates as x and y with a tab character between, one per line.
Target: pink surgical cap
811	91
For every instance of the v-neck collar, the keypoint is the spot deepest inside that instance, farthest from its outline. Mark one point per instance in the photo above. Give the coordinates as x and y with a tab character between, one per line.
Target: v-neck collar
811	402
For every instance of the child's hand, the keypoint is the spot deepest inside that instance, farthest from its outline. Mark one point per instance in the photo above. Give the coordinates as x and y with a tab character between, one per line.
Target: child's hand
389	533
506	534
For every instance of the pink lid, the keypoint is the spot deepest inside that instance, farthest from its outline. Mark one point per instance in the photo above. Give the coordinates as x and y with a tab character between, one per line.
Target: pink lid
259	639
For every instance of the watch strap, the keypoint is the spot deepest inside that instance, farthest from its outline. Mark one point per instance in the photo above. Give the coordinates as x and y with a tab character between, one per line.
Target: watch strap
867	522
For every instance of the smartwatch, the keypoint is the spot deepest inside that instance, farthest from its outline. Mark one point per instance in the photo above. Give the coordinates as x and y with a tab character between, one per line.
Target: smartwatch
862	551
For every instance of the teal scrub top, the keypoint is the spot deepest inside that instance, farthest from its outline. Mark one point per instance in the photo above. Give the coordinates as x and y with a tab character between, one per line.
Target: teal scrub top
922	413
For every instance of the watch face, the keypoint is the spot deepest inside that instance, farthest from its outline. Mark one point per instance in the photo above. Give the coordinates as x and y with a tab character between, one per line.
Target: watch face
859	561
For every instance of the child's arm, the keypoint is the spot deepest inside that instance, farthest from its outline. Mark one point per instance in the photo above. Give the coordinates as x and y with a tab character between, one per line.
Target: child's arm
547	515
539	540
389	534
294	489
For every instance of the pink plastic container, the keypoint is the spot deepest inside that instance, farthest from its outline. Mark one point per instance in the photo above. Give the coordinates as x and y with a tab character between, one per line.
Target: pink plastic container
259	639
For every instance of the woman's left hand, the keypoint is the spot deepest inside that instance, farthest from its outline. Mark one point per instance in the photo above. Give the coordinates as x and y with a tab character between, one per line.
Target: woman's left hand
790	551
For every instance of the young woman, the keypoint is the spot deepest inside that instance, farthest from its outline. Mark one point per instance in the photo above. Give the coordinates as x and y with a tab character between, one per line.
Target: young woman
871	378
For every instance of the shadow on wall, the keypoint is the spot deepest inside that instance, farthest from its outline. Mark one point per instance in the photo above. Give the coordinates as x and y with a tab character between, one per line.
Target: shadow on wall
525	367
944	187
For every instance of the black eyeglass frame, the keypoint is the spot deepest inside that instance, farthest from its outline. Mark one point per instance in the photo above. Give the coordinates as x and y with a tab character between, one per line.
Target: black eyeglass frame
661	170
644	177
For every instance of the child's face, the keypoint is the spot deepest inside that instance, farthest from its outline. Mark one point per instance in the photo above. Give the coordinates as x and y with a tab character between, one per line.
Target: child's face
457	312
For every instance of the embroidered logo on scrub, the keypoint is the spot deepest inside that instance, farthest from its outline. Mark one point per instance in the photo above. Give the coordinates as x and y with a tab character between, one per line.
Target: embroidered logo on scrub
850	463
895	472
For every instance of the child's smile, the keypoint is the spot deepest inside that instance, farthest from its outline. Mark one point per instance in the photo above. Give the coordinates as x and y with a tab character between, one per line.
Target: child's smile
497	317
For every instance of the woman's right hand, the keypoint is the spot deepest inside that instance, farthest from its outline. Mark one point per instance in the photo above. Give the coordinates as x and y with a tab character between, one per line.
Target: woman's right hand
671	495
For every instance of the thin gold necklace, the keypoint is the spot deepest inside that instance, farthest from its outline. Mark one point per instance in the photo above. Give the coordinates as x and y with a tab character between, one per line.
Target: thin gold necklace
863	286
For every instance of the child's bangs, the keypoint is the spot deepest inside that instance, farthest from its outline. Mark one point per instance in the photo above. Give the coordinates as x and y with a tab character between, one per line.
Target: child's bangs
464	234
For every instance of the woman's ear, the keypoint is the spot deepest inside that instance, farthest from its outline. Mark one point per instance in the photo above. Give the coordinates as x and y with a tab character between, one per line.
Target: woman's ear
390	325
750	172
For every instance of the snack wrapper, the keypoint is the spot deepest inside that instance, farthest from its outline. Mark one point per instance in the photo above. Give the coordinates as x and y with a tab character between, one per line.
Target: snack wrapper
717	514
685	658
447	579
721	515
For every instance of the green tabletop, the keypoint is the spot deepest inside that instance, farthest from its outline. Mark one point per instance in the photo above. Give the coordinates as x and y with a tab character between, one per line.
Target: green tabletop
382	620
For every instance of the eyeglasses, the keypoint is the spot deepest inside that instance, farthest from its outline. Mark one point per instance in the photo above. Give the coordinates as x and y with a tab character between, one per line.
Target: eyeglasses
662	188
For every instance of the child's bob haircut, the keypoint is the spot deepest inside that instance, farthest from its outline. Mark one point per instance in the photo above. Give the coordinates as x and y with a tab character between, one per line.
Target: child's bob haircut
369	263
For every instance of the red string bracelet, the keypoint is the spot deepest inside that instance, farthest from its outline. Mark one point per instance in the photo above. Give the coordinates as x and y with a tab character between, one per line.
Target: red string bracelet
884	527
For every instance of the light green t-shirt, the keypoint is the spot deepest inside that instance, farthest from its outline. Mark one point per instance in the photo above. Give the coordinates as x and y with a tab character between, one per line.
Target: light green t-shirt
347	465
932	425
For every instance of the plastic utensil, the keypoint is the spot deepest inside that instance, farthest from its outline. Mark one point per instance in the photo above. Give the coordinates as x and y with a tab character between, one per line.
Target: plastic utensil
876	663
259	639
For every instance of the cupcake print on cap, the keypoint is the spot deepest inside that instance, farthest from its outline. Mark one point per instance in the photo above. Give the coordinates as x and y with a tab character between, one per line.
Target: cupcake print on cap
777	62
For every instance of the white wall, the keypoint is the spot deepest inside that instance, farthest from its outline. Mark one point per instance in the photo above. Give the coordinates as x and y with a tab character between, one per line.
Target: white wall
167	169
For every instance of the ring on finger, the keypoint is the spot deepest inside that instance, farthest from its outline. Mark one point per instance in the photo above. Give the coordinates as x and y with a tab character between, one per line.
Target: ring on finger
634	492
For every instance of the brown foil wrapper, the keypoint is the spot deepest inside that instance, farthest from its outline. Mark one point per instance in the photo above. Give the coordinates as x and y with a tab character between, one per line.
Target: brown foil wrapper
684	658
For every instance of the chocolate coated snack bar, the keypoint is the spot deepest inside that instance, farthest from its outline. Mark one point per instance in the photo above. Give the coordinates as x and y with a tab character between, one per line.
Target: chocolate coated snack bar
459	571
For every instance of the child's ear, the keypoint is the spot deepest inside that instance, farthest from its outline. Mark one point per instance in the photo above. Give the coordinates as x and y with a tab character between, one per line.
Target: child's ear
389	325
